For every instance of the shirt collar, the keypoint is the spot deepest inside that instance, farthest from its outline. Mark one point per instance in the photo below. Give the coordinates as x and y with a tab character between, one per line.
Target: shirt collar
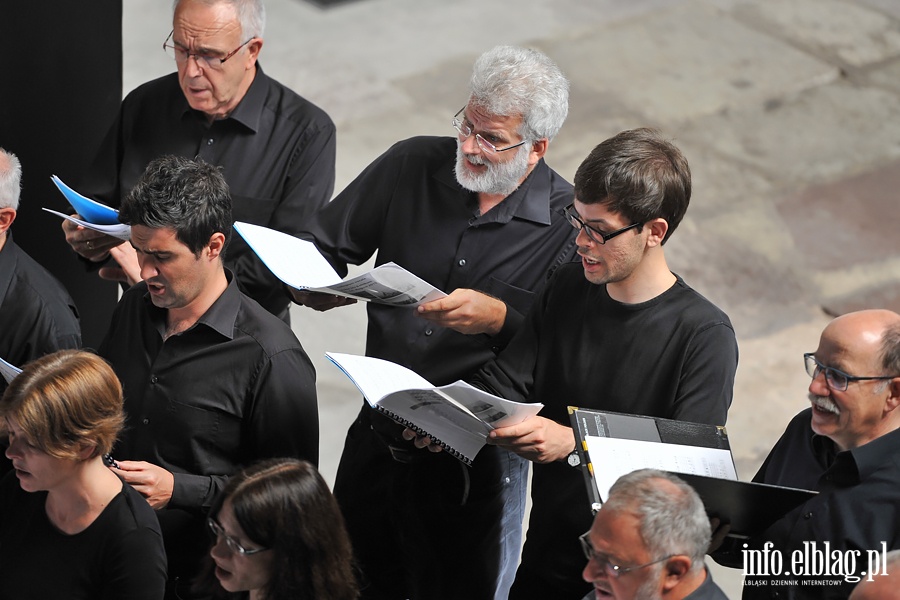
8	260
527	202
249	110
852	466
220	317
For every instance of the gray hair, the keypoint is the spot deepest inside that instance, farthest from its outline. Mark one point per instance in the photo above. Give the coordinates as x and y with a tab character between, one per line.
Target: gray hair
670	523
890	350
508	80
10	180
251	14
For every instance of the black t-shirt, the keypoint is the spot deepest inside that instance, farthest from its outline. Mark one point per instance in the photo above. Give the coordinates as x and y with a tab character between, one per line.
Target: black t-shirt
118	557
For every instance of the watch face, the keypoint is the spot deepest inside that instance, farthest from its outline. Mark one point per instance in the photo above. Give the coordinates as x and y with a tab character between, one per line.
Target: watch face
574	459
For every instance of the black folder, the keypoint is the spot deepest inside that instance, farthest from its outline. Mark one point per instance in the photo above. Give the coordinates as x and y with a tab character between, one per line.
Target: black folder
748	507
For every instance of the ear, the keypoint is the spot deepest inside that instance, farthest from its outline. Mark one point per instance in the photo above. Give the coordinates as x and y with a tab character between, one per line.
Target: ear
538	150
87	451
7	216
253	49
674	571
658	229
216	245
893	400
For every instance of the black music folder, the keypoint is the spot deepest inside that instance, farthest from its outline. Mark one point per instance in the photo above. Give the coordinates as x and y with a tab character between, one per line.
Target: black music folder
613	444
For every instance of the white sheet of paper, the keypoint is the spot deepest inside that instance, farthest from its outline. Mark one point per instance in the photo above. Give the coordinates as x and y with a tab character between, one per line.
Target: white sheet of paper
123	232
613	457
299	264
8	371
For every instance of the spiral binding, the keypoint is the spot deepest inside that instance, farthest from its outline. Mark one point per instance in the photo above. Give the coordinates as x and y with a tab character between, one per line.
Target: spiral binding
410	425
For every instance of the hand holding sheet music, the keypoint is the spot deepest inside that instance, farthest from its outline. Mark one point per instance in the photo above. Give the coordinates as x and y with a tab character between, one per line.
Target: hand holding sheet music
457	417
299	264
93	214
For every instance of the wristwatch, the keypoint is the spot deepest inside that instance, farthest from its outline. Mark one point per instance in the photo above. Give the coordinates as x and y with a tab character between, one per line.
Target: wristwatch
573	459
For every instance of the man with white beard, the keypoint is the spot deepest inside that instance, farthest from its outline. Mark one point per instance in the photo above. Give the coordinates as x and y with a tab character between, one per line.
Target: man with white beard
846	447
479	215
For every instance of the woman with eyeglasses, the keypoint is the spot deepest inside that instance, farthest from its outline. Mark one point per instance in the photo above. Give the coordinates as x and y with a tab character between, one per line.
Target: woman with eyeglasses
69	527
278	534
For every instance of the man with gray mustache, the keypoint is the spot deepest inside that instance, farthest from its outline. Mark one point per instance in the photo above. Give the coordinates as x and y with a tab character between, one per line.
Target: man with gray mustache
846	446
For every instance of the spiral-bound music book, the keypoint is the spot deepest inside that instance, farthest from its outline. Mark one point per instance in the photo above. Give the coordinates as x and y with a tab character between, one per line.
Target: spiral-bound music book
457	416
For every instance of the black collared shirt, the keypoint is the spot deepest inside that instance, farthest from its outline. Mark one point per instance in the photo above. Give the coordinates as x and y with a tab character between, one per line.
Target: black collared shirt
857	507
276	150
234	388
37	315
408	207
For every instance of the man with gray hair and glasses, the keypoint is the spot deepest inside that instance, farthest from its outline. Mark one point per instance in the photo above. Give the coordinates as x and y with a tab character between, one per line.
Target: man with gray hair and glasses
845	446
37	315
479	215
648	542
276	149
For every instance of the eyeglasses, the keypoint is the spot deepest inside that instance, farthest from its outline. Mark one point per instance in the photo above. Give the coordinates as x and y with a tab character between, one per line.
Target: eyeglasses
232	543
204	61
465	130
595	234
602	560
835	378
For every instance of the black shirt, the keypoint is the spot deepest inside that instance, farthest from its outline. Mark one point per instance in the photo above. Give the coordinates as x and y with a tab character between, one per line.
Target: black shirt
276	150
234	388
857	507
408	206
673	357
37	315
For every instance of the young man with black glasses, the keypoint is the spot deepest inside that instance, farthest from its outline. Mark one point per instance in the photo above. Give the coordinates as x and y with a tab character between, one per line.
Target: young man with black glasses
618	332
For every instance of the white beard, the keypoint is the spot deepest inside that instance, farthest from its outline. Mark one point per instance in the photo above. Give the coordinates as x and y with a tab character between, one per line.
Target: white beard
499	178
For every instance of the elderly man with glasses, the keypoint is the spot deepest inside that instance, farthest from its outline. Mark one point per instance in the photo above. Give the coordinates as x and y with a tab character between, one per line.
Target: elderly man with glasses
648	542
276	149
616	332
846	446
479	215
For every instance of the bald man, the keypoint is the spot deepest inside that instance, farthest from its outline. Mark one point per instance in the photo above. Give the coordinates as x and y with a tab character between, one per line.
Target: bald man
881	587
846	446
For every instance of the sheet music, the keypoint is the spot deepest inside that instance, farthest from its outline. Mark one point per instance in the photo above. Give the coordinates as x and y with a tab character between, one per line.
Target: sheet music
299	264
613	457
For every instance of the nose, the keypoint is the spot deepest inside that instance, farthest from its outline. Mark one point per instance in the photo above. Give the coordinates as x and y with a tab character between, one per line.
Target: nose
148	270
583	239
192	66
13	451
219	549
819	386
592	571
470	145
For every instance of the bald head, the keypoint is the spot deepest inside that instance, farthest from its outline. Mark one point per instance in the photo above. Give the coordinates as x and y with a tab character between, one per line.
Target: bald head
869	335
881	587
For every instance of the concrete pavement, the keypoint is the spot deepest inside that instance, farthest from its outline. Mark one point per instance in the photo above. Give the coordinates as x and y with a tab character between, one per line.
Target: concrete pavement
788	111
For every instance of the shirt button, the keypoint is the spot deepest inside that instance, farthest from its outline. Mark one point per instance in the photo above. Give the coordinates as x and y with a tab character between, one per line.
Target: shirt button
428	332
209	142
462	262
154	379
146	421
808	515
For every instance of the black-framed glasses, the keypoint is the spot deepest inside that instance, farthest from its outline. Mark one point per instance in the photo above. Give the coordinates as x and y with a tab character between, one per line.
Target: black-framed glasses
464	130
602	560
595	234
218	532
835	378
205	61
